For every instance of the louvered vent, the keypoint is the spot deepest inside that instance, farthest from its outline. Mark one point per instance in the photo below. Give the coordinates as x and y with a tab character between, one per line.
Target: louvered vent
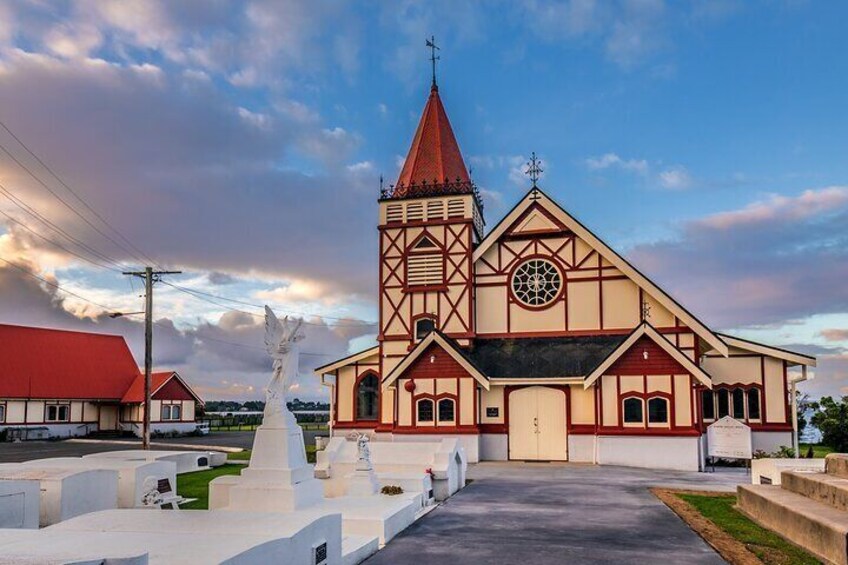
414	212
436	210
394	213
425	270
456	207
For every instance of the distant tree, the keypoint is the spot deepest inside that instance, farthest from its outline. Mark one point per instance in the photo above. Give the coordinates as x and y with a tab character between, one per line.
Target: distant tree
831	418
804	406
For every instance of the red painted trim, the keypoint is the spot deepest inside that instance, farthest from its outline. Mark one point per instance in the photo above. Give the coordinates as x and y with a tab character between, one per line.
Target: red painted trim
432	430
560	270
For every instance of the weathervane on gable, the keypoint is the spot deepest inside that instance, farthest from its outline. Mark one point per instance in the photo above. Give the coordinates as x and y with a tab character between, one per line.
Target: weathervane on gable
534	169
431	43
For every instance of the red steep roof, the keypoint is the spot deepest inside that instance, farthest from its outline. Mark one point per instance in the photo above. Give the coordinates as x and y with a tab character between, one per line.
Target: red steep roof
158	388
434	157
136	391
48	363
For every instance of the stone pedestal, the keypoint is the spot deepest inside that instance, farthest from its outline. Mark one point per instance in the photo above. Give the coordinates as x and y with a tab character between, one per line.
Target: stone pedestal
278	478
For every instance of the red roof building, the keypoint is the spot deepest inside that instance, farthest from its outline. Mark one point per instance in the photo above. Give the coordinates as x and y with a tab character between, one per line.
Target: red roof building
75	383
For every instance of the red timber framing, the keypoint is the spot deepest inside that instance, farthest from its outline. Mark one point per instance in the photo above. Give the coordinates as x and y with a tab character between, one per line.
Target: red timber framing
450	303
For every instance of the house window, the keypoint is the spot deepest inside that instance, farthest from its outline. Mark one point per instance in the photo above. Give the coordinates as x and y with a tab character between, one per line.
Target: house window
423	327
633	411
723	403
425	410
366	398
739	403
446	410
658	411
2	413
171	412
58	413
753	404
708	404
536	282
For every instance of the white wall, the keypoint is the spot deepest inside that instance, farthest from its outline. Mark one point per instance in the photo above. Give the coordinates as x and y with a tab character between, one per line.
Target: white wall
677	453
494	447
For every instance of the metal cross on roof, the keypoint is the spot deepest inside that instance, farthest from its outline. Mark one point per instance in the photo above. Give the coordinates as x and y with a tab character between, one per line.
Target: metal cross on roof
431	43
534	168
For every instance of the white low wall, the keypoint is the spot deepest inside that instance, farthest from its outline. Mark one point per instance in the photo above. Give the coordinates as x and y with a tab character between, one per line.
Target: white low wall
186	461
770	442
494	447
581	448
67	492
19	503
676	453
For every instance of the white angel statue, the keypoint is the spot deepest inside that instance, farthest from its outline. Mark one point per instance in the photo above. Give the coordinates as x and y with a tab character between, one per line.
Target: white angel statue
281	339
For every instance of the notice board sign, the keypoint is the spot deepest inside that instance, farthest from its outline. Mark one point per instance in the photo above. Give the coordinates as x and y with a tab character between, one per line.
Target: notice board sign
730	439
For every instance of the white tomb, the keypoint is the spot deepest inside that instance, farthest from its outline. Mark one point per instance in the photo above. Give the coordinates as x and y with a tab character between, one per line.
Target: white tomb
138	537
412	465
134	476
67	492
186	461
767	471
19	503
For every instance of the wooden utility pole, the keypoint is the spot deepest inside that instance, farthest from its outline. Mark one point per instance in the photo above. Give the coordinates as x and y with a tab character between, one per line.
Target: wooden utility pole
150	276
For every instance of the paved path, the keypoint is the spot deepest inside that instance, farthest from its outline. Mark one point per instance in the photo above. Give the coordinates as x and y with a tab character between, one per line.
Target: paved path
524	513
26	450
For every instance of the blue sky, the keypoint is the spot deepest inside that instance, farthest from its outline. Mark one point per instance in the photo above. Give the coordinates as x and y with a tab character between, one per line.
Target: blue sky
242	143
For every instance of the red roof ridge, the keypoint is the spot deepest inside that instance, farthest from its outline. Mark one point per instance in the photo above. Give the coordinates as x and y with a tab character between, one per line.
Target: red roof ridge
43	329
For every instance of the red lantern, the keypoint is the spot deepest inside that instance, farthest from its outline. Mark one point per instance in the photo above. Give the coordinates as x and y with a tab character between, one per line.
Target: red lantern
409	386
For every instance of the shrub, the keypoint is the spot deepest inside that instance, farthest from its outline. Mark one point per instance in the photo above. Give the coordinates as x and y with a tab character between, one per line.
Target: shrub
391	490
831	417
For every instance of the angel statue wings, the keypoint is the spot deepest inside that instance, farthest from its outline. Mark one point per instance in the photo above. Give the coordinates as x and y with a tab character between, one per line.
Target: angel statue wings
281	338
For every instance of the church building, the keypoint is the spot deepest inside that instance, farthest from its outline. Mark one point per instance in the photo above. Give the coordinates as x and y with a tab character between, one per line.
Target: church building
535	340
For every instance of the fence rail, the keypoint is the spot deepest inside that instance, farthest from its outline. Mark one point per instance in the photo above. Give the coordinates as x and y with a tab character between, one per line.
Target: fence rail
249	422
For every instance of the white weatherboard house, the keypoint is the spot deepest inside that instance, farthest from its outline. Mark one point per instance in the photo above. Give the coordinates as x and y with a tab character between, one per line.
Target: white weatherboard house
535	340
57	383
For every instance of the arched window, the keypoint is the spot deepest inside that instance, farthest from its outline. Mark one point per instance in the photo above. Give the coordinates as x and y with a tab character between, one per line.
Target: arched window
739	403
753	404
658	411
446	410
633	411
366	397
708	405
425	410
424	326
723	403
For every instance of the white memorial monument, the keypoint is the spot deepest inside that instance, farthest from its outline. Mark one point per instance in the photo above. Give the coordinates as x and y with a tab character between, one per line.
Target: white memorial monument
363	481
278	478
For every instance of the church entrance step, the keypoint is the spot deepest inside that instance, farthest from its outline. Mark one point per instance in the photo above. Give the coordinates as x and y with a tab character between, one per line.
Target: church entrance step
820	529
837	464
828	489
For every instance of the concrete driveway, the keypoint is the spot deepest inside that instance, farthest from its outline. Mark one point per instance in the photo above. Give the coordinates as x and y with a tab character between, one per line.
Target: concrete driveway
523	513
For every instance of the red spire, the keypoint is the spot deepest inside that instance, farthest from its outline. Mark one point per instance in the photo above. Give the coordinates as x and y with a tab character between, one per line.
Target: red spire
434	158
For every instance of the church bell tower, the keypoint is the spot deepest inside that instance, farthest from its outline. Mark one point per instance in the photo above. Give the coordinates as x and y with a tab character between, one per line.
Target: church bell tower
430	221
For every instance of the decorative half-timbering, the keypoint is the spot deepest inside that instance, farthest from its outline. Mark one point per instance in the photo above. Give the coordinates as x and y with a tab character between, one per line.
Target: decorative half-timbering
536	340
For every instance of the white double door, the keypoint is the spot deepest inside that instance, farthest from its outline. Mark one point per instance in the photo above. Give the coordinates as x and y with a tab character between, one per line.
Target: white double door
537	424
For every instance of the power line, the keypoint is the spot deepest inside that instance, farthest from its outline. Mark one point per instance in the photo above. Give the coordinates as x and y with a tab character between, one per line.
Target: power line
68	205
35	214
54	285
199	294
72	191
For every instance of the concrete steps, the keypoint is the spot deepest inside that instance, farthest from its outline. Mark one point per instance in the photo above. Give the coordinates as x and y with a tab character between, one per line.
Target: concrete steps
821	487
356	549
809	509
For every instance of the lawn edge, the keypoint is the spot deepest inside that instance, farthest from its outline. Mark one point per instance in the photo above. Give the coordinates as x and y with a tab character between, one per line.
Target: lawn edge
731	549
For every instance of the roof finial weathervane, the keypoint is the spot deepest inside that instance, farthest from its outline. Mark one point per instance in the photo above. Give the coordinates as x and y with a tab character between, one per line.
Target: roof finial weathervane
534	169
431	43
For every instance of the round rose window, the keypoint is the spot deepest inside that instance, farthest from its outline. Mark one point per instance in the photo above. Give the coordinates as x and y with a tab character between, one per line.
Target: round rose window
536	282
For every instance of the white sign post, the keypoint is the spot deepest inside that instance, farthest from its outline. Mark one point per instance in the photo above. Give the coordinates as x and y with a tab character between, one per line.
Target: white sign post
729	438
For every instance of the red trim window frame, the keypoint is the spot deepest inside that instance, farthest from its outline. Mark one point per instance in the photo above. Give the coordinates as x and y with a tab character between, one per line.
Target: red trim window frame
3	412
435	399
425	316
524	260
645	398
359	379
728	390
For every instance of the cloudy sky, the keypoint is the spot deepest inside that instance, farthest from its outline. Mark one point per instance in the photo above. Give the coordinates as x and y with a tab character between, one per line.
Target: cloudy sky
242	142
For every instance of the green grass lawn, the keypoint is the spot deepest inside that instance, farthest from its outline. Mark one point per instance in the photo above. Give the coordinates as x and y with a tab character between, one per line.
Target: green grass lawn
819	450
196	485
769	547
